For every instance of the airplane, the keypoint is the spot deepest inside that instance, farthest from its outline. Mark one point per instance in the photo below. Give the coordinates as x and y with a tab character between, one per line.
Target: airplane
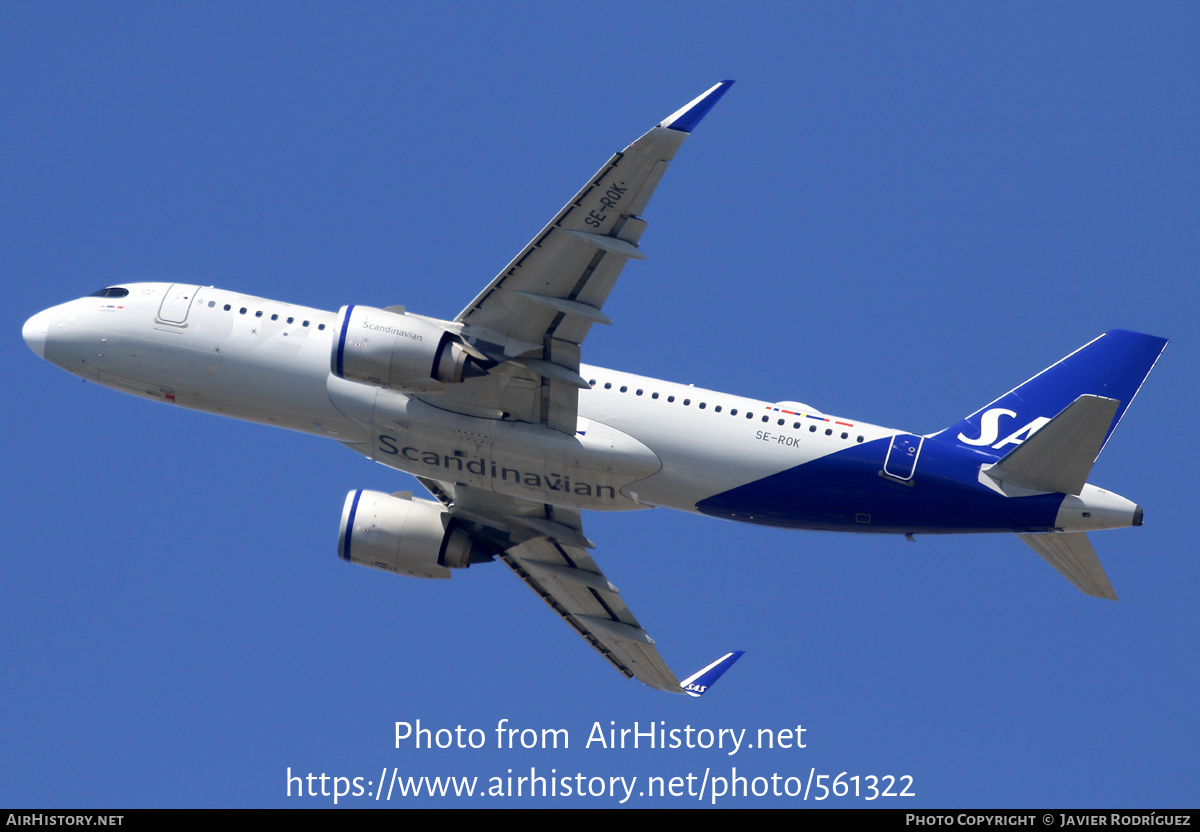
513	436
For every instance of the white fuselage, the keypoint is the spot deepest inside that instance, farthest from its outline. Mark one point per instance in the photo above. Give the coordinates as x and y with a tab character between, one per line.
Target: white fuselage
641	442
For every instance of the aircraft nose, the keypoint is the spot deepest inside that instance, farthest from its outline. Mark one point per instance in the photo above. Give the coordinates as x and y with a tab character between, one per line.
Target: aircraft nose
34	332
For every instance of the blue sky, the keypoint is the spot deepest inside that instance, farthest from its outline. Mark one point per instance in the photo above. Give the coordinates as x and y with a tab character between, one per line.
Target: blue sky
899	212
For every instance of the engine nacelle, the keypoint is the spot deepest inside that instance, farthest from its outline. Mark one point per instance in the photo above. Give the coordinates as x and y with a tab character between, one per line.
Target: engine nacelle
406	536
396	351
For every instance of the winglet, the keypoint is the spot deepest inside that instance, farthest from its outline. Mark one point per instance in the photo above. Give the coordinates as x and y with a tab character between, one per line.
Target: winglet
686	119
699	682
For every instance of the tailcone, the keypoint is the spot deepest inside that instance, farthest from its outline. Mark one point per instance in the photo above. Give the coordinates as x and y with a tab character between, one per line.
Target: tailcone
1095	509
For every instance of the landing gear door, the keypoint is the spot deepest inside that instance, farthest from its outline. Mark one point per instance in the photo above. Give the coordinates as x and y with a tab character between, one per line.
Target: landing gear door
901	460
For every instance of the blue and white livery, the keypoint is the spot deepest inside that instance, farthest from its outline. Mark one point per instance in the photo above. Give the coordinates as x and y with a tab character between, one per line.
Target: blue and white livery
513	436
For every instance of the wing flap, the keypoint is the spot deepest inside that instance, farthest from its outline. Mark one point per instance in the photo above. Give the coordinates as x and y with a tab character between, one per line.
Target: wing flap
544	302
546	548
587	230
571	584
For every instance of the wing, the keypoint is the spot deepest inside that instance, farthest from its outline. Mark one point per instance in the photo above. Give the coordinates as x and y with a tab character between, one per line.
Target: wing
545	546
527	326
531	320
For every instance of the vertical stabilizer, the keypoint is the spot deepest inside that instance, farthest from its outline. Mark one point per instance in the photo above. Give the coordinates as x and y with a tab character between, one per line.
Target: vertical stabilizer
1112	366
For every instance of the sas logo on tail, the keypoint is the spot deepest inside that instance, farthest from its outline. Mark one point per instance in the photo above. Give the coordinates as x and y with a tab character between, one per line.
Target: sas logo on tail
989	429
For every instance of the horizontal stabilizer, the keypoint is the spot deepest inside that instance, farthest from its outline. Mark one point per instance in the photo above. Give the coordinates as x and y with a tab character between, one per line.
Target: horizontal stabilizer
1075	559
699	682
1059	456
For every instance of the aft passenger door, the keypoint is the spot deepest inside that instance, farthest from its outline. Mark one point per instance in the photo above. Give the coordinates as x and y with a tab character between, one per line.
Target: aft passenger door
901	461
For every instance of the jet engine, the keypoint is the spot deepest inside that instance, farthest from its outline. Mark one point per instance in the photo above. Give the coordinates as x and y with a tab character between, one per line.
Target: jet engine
396	533
398	351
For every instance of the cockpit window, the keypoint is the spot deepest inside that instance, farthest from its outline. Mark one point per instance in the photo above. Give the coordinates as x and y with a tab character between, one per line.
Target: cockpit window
110	292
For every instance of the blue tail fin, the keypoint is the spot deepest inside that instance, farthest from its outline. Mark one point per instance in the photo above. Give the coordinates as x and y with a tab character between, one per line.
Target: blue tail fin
1112	366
